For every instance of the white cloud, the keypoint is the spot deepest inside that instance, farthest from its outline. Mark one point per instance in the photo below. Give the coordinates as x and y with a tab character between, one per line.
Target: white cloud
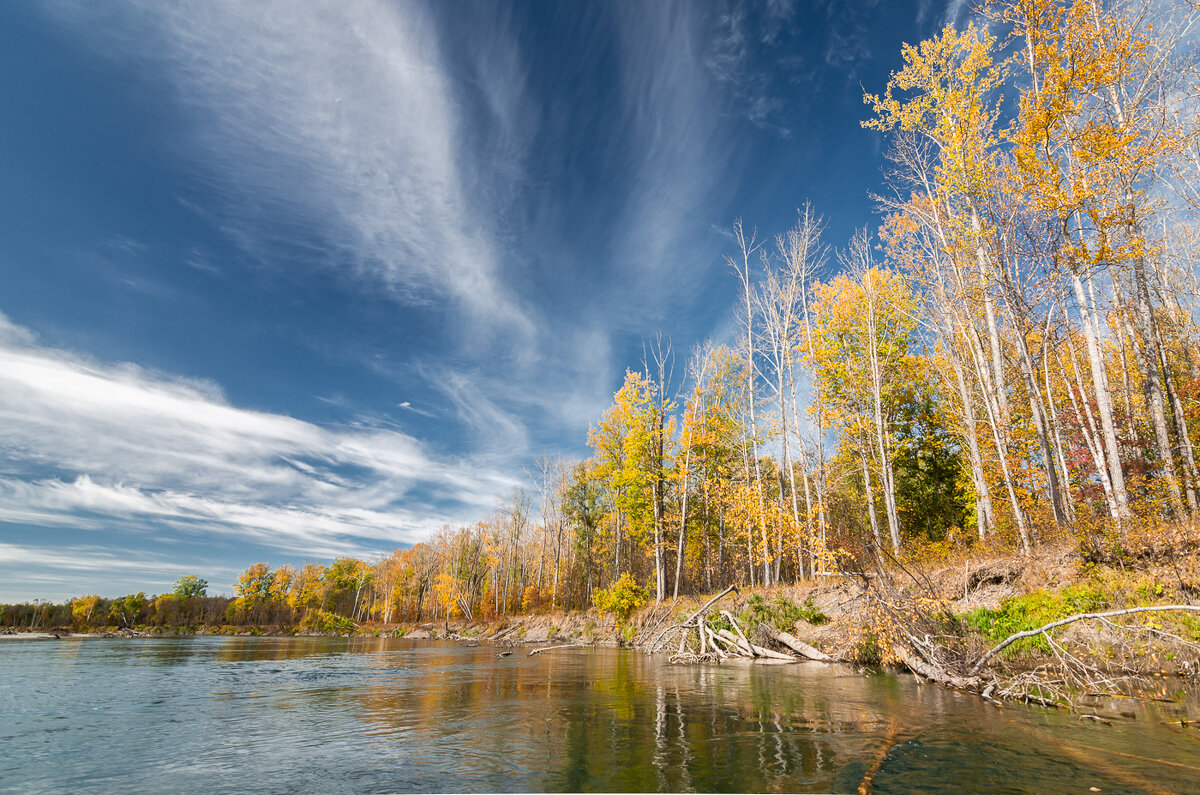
492	428
342	118
91	445
84	558
61	572
675	118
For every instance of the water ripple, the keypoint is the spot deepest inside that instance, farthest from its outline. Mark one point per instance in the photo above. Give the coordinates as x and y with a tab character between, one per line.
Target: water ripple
384	715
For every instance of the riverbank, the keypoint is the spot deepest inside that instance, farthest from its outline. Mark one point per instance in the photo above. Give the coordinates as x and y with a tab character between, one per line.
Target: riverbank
937	619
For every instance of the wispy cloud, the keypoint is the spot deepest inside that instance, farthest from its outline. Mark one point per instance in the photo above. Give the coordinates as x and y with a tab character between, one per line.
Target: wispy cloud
676	127
86	558
733	57
848	45
90	445
342	120
955	10
64	571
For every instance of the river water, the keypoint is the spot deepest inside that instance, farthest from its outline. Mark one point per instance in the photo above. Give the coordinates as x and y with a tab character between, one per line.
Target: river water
330	715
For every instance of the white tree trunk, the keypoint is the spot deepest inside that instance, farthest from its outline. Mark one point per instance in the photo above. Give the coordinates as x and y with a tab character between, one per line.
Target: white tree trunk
1116	474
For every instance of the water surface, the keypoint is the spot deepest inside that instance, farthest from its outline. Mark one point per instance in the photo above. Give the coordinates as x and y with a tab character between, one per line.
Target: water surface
330	715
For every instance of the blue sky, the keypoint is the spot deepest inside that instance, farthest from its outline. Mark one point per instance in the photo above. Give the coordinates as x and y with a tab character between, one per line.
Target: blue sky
286	281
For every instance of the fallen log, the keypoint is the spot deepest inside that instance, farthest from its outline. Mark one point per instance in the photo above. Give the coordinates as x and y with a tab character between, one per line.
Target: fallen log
729	640
743	647
694	620
712	641
709	603
733	622
795	644
750	650
773	655
552	648
499	634
933	674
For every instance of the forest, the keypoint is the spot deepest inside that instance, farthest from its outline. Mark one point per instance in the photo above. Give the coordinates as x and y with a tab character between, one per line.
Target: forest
1008	361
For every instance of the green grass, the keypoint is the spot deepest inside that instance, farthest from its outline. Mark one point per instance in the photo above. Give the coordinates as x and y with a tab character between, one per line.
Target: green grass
1032	610
780	613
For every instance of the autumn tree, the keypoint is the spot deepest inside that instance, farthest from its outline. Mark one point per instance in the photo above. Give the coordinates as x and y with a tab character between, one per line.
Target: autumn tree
864	360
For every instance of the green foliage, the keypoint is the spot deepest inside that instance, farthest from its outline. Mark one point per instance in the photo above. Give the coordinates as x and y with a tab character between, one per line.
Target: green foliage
622	598
932	482
781	613
1032	610
190	586
1190	627
323	621
128	609
717	622
811	613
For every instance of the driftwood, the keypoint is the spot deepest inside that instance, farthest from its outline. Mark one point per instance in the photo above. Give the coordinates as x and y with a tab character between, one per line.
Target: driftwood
742	635
1029	633
712	641
552	648
729	640
931	673
751	650
773	655
795	644
502	633
694	621
707	645
710	603
742	646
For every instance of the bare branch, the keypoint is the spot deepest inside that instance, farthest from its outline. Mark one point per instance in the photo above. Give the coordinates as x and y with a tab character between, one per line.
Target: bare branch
1029	633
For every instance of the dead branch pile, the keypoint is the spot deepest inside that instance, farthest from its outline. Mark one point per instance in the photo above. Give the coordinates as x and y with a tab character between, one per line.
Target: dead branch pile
916	628
713	635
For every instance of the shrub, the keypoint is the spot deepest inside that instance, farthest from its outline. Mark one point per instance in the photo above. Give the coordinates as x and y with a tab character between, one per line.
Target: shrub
323	621
867	650
531	600
622	598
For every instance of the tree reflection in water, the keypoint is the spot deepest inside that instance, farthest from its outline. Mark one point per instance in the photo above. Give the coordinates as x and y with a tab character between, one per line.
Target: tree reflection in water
336	714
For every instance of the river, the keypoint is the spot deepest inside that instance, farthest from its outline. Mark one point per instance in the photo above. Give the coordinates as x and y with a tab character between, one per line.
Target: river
330	715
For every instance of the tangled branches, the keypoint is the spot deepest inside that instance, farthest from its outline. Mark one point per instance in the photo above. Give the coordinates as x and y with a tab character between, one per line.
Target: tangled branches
714	636
916	627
